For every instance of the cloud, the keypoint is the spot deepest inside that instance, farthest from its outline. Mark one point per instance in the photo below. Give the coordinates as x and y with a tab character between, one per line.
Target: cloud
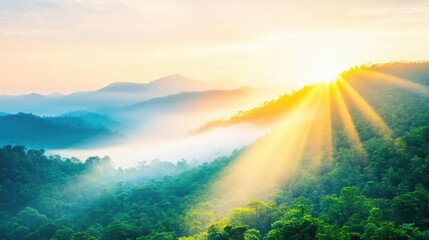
412	15
195	21
24	5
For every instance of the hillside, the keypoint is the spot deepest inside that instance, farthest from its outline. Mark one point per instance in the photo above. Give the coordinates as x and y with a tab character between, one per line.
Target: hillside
197	106
95	119
381	88
49	132
198	101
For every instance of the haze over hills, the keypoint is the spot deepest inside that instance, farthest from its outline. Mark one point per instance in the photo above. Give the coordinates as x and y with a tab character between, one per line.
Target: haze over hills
115	94
95	119
168	85
133	109
214	102
121	93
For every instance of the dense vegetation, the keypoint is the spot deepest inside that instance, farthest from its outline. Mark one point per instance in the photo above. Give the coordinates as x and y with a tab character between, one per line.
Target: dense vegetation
385	197
49	132
49	197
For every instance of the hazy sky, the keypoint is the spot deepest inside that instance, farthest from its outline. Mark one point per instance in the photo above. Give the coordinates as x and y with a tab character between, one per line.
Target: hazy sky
70	45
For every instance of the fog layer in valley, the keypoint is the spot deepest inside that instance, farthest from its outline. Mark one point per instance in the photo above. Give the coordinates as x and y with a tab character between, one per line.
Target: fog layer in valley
193	148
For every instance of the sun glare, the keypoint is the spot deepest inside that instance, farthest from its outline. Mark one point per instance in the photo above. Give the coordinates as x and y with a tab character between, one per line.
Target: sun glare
327	72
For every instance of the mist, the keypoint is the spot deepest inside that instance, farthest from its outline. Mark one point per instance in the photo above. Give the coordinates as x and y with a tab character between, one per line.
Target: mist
164	128
171	145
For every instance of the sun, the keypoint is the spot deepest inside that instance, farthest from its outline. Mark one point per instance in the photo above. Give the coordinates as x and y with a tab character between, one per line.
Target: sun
327	71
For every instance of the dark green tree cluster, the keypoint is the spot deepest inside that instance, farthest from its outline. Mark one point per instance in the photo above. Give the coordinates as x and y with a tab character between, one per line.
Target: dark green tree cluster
51	132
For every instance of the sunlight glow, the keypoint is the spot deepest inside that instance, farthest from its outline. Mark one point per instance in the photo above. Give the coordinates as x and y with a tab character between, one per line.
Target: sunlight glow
327	72
302	138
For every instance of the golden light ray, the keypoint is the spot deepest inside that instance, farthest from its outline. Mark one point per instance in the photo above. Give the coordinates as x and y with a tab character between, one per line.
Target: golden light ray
347	121
319	143
273	159
322	129
368	112
395	81
327	120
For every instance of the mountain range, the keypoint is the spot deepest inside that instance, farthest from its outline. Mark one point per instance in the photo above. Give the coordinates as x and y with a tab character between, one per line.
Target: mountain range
115	94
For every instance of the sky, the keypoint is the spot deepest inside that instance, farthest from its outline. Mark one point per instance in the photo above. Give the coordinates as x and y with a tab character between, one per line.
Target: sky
73	45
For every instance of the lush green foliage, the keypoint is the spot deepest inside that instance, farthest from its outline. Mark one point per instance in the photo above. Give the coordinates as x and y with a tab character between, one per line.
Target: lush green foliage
49	197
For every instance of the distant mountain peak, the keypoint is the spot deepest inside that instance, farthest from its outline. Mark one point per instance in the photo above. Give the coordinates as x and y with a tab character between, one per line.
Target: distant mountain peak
120	86
34	96
174	78
169	80
114	84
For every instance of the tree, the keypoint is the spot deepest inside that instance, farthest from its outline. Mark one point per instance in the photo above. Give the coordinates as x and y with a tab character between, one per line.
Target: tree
31	218
349	209
119	231
388	231
228	233
412	207
304	228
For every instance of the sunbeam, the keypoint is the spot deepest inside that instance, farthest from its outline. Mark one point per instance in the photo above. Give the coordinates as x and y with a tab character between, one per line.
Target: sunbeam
347	120
395	81
273	159
368	112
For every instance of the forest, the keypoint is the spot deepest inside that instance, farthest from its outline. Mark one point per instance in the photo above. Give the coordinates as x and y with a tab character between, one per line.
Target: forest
53	132
384	196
